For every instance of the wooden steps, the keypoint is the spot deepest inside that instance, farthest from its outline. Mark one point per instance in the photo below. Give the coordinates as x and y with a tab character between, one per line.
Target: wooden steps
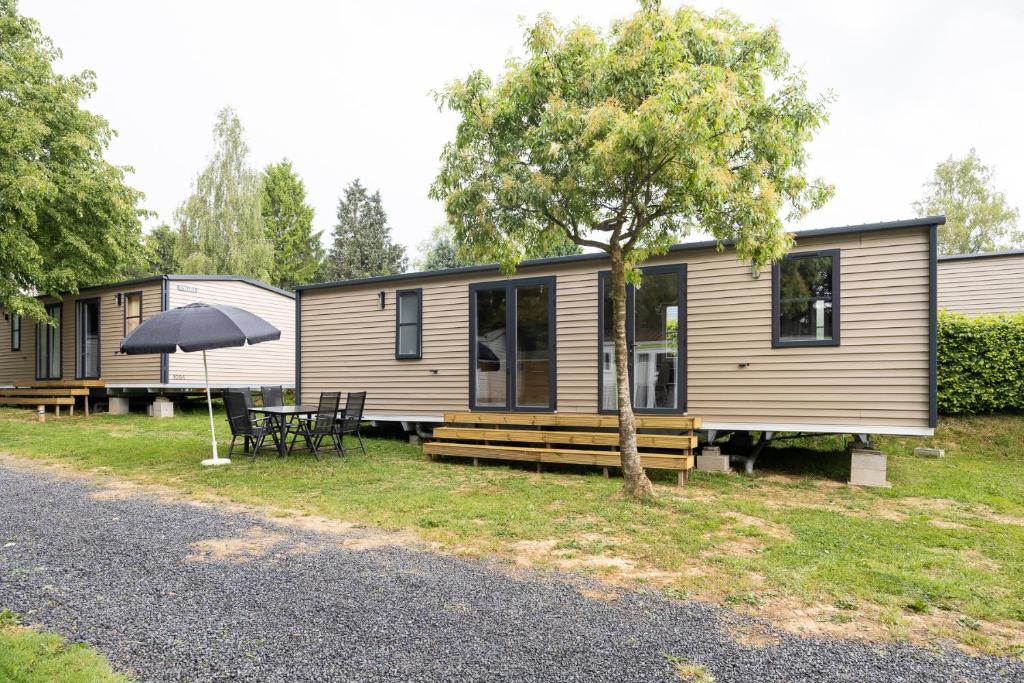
667	442
54	393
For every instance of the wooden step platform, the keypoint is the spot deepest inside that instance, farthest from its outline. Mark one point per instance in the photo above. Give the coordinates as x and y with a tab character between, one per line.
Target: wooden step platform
664	442
54	393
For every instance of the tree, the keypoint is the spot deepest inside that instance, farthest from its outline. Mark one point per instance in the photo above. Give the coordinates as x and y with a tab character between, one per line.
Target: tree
362	239
978	217
298	254
624	140
220	227
441	251
159	245
67	218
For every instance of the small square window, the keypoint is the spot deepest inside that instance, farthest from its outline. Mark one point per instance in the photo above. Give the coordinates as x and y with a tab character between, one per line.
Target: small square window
408	323
805	299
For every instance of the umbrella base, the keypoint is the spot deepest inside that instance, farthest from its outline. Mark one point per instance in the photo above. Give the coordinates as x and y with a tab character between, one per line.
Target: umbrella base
219	461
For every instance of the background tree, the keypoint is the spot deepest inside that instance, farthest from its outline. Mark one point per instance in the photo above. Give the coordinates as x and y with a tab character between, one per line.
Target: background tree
220	227
298	254
362	239
159	246
441	250
624	140
67	218
978	217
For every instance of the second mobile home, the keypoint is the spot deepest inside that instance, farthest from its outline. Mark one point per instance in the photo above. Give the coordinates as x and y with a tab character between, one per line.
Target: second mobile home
837	338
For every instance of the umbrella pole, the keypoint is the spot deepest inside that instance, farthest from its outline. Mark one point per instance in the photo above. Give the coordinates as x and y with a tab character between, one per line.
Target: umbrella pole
213	433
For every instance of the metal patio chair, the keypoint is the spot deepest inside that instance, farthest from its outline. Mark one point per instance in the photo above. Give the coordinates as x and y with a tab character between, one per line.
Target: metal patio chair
242	424
348	423
320	426
272	395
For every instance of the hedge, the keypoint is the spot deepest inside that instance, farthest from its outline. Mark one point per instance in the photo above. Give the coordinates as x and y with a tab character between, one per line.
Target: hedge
980	363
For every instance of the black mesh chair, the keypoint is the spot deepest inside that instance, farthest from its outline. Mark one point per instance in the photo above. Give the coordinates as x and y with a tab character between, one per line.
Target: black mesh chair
349	422
272	396
320	426
252	432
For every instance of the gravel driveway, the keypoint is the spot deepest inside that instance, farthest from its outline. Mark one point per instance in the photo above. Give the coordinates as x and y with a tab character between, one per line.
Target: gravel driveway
173	591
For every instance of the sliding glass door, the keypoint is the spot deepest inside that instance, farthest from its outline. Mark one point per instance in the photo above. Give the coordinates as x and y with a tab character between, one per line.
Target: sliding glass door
48	345
87	339
655	340
512	345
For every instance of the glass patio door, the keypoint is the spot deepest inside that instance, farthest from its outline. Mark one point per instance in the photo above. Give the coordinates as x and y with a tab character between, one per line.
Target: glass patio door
48	345
655	339
512	345
87	326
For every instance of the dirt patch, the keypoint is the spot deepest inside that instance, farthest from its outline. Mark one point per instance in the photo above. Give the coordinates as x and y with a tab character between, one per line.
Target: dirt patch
946	524
382	540
601	595
768	527
255	542
754	636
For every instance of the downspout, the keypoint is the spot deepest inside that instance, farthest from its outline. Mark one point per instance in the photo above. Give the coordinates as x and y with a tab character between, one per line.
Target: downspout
164	298
933	323
298	347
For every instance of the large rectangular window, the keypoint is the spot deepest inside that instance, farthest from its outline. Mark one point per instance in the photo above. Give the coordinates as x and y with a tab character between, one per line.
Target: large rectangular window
408	323
655	342
512	345
15	332
48	345
132	311
805	299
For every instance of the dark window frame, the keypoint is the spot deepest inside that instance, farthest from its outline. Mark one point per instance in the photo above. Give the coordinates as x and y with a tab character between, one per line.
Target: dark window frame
15	328
59	306
124	309
510	343
604	279
418	291
777	342
80	347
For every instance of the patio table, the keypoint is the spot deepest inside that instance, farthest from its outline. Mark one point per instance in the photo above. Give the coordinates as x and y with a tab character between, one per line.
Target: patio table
279	417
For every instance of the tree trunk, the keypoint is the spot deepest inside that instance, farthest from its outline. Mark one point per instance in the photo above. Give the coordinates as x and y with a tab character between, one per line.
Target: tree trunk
636	484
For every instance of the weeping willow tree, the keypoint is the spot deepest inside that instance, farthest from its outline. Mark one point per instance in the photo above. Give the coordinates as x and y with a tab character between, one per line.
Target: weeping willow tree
627	139
220	226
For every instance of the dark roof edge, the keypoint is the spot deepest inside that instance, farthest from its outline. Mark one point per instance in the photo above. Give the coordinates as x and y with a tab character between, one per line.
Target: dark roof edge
200	278
987	254
559	260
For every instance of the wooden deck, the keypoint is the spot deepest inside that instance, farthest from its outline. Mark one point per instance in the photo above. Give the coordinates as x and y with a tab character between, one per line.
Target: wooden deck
664	442
54	393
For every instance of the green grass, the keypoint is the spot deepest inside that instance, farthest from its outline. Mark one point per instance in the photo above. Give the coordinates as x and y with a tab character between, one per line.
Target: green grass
28	656
940	555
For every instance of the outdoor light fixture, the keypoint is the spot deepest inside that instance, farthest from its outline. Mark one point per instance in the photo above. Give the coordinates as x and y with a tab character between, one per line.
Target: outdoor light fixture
118	297
755	272
381	295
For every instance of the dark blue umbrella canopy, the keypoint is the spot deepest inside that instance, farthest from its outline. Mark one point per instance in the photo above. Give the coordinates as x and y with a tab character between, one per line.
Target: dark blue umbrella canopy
198	327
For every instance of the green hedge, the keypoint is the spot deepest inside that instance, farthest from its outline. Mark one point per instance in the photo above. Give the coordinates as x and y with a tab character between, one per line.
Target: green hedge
981	363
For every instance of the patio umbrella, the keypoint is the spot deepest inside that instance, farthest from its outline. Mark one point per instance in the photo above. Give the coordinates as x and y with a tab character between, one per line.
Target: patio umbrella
198	327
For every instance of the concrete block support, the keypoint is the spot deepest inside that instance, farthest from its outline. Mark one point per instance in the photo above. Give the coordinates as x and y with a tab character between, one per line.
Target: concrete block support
923	452
161	407
712	460
868	468
117	405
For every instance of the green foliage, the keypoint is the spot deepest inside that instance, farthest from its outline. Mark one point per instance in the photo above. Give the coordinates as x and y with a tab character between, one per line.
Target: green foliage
978	217
159	246
220	227
298	254
67	218
362	238
27	656
442	251
625	139
980	363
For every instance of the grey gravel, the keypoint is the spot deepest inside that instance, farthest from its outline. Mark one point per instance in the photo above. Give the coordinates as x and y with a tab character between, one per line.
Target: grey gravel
116	573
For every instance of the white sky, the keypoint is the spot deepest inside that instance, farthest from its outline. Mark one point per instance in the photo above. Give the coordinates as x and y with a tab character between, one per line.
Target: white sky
343	88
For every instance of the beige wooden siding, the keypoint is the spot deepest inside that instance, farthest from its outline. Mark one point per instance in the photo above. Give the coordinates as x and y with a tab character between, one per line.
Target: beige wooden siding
267	363
114	365
878	376
991	284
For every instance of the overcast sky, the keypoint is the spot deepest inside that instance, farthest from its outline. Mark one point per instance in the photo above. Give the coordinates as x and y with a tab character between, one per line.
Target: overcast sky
343	89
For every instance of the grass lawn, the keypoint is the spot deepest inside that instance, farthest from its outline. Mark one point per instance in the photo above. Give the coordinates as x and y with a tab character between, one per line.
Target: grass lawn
28	656
940	556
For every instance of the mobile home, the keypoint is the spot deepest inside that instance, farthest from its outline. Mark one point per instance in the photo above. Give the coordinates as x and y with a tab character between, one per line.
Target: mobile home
85	344
837	338
982	283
